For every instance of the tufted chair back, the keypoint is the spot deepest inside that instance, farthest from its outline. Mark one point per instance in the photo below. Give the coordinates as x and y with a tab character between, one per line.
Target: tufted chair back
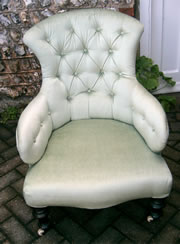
88	64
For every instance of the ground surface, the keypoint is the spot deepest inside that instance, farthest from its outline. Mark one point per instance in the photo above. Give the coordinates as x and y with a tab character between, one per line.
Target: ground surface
125	223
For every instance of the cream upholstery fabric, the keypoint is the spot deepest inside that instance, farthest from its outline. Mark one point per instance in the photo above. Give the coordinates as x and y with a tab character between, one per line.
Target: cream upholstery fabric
88	58
96	163
88	66
34	130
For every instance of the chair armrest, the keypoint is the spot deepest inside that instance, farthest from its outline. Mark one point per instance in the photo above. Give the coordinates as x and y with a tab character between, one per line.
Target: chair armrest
149	118
33	130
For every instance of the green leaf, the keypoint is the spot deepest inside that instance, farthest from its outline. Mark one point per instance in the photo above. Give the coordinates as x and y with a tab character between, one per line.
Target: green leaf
143	63
168	102
148	74
152	84
165	105
170	99
155	70
170	81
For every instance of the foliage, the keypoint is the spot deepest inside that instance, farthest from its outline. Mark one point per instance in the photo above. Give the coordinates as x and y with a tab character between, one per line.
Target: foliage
167	102
11	113
149	75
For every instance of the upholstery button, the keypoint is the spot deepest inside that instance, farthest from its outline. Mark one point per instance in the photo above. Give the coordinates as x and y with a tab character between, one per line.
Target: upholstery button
111	94
89	90
69	98
61	55
49	113
98	29
101	72
41	124
120	74
75	73
153	130
121	33
110	51
34	140
85	50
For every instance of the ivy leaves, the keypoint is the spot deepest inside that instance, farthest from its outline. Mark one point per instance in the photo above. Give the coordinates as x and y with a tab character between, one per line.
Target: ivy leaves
167	102
148	74
169	80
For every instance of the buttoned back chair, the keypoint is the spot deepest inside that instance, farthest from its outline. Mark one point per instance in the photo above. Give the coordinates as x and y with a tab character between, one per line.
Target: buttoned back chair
93	136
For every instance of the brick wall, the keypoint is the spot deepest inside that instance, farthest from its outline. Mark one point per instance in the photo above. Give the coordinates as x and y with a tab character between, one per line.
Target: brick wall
20	74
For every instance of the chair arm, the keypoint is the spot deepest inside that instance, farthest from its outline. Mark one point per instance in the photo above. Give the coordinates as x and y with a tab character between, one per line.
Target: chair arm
149	118
33	130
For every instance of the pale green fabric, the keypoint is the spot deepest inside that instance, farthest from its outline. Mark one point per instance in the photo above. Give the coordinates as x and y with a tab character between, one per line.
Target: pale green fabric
88	60
96	163
88	66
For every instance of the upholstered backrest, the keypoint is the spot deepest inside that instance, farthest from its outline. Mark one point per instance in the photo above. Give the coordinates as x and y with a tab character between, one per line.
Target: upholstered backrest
88	63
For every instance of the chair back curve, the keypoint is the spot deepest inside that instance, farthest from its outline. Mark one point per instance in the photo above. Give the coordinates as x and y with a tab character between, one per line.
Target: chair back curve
88	63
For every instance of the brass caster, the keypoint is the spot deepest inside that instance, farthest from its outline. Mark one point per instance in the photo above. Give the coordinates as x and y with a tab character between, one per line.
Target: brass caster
150	218
41	232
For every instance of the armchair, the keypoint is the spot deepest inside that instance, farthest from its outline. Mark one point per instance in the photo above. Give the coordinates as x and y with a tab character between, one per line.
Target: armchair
93	135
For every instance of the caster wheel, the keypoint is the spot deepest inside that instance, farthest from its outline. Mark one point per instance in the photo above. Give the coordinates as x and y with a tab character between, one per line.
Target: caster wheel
41	232
150	218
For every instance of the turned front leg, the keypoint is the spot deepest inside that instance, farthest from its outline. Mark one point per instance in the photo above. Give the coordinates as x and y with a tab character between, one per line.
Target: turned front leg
43	220
156	206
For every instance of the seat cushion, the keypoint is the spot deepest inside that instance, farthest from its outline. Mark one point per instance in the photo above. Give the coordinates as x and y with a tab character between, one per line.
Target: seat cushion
96	163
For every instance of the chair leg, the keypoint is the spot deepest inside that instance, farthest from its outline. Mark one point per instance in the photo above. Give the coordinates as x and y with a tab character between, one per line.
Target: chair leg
42	216
156	206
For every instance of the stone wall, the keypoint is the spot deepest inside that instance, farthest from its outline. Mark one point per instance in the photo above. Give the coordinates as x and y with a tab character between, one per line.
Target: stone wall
20	74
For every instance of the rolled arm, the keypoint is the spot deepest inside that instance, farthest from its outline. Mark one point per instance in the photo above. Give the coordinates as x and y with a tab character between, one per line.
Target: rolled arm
33	130
149	118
